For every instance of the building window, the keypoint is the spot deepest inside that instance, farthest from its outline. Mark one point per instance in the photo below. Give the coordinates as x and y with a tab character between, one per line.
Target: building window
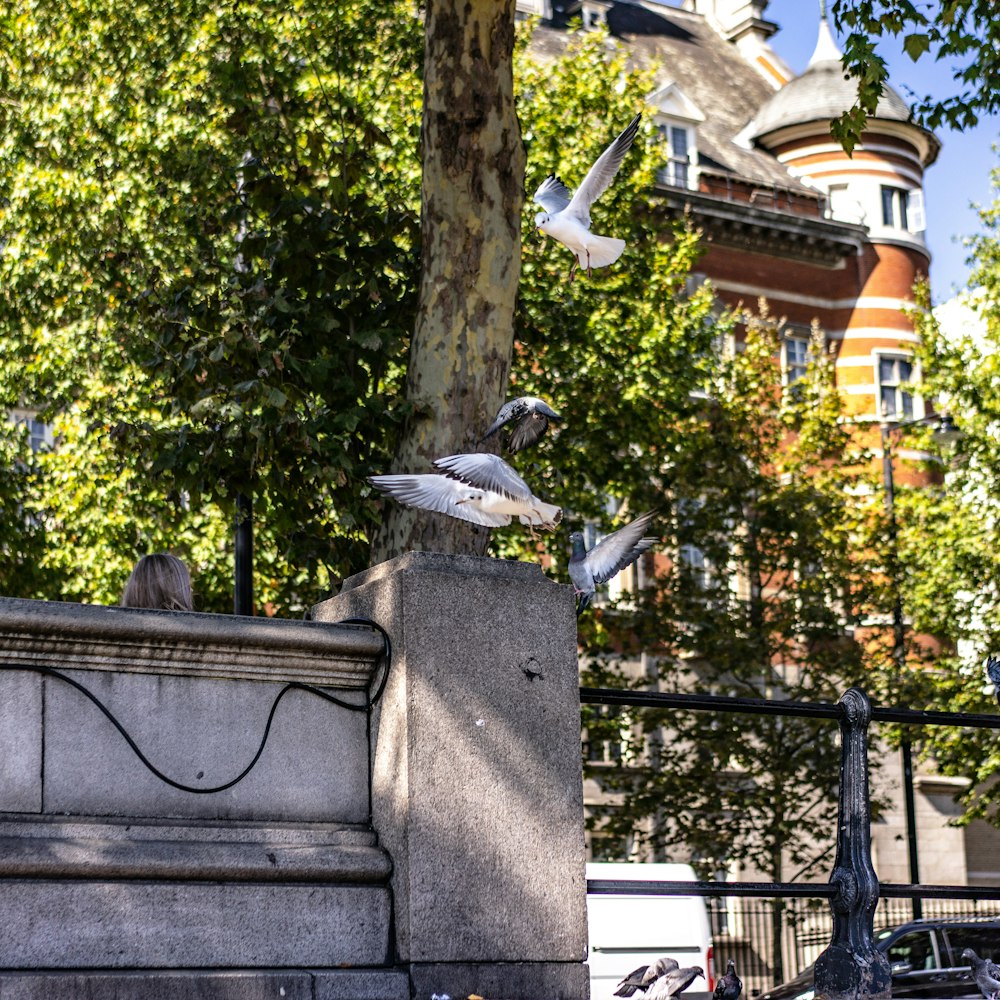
696	564
894	375
39	433
895	202
679	143
605	735
796	358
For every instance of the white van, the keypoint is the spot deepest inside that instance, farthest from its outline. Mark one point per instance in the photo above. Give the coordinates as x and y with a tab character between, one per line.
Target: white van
628	931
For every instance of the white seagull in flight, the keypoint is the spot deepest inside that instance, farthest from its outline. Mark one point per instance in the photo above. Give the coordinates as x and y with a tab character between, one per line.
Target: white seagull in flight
479	488
567	216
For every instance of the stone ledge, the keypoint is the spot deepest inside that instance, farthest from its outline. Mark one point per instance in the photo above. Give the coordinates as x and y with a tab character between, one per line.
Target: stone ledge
138	640
98	850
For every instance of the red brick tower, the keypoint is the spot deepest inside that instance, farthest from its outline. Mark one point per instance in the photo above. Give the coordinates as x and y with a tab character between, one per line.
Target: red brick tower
880	187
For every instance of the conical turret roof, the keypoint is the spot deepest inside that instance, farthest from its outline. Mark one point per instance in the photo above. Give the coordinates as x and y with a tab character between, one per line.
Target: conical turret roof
821	93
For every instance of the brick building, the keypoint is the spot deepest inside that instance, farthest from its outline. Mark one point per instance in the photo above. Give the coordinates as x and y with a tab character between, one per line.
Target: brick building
788	216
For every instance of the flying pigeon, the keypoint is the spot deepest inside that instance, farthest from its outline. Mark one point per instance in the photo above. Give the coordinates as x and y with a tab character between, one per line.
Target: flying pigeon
640	978
530	418
609	556
672	983
986	974
729	986
482	489
993	672
567	215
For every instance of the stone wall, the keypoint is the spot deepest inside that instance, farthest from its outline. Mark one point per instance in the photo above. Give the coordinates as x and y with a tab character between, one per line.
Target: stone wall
435	846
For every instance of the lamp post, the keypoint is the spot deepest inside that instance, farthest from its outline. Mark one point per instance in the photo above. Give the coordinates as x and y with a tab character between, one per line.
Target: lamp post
946	433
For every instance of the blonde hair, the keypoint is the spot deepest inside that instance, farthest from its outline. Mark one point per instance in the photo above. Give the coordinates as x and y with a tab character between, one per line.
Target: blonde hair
161	581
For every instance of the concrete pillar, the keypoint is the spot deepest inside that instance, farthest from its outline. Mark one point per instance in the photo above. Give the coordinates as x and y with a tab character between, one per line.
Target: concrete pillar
477	774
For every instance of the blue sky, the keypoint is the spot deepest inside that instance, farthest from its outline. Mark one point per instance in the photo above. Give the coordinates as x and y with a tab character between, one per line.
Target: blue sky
961	173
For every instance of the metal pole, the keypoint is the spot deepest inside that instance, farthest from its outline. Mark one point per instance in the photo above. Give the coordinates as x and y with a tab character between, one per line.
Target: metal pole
243	590
852	968
899	657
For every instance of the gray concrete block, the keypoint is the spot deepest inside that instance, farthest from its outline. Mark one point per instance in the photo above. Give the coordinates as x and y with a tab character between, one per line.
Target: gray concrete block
503	981
20	741
361	984
202	732
194	985
142	925
477	782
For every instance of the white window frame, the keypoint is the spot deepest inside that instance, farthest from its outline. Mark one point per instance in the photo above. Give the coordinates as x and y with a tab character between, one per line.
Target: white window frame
895	202
40	434
679	170
896	384
792	369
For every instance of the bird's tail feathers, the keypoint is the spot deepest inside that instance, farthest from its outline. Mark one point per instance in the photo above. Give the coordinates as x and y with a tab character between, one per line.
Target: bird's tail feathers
544	515
604	250
583	602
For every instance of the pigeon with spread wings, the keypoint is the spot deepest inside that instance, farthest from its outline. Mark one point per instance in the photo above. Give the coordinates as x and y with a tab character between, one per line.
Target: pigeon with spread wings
482	489
640	979
609	556
528	418
567	215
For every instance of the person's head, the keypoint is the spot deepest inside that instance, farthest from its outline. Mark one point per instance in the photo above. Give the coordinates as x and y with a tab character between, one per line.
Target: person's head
159	580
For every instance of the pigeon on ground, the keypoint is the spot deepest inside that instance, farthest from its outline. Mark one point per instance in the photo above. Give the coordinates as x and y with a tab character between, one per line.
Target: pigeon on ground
639	979
567	215
986	974
993	672
609	556
482	489
729	986
530	418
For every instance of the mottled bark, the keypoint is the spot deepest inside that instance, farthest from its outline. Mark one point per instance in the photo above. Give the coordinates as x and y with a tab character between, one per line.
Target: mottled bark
472	193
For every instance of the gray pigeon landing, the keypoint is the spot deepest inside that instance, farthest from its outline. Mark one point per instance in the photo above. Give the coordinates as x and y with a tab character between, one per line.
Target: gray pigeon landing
567	216
986	974
993	672
482	489
640	979
609	556
672	983
529	418
729	986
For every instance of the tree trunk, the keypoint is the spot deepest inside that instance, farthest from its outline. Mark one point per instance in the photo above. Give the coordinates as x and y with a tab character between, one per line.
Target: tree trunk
472	194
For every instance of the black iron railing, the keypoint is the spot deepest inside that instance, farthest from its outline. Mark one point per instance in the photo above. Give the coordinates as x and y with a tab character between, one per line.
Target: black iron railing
850	966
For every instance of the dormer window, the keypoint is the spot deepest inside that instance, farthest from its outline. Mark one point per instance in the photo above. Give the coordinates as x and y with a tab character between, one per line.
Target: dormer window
679	142
677	120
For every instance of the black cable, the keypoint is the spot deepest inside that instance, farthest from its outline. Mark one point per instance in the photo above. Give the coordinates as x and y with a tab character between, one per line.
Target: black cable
290	686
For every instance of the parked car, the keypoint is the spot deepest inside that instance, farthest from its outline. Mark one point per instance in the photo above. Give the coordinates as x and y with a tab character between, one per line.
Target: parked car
631	930
925	958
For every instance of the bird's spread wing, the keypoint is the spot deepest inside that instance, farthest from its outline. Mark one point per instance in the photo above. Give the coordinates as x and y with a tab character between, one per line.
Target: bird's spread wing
631	982
437	493
619	549
514	410
553	195
602	173
486	472
528	431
